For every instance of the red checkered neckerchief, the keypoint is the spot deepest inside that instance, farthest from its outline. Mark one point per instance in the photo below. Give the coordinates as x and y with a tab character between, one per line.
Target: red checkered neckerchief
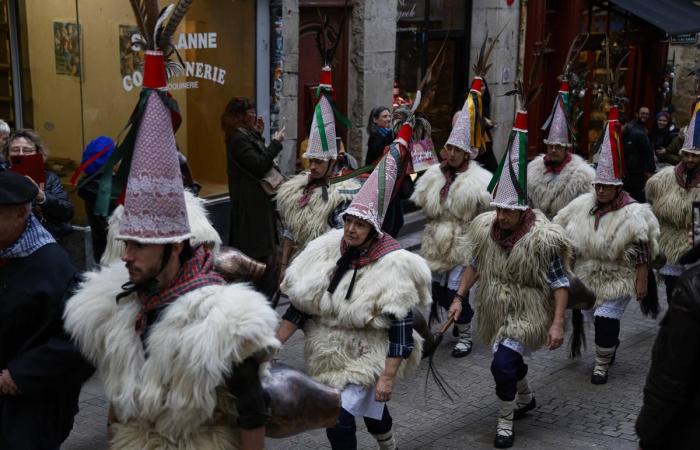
686	179
381	246
197	272
506	238
556	169
623	199
451	174
309	191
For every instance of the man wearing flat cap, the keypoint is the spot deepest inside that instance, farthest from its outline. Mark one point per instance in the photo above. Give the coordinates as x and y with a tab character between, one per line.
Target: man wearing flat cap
40	370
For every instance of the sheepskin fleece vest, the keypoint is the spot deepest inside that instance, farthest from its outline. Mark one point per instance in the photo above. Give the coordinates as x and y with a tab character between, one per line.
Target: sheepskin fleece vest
175	398
605	258
347	341
311	221
513	298
445	240
672	205
549	192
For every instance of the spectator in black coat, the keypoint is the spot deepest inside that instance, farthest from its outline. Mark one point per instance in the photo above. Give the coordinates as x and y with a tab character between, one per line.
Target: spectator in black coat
380	133
639	160
41	372
52	205
670	415
663	133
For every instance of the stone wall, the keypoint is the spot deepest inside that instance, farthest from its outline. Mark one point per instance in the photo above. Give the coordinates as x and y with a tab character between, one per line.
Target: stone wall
493	16
371	71
290	75
684	93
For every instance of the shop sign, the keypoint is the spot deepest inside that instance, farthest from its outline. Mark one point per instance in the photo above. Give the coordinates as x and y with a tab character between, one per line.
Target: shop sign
193	69
411	9
685	38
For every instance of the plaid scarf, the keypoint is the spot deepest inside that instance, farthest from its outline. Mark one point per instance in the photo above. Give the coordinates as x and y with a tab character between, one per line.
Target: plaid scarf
32	239
685	177
623	199
195	273
550	167
309	191
507	238
450	174
353	257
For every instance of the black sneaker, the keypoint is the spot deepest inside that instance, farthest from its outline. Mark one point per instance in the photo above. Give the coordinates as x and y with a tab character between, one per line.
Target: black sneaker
597	378
519	413
502	441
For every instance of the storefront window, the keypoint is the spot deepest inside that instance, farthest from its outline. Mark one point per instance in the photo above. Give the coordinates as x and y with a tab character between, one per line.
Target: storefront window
81	79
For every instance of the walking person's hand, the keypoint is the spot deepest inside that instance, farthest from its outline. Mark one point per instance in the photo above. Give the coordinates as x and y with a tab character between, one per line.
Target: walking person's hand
555	336
7	384
385	385
279	135
455	309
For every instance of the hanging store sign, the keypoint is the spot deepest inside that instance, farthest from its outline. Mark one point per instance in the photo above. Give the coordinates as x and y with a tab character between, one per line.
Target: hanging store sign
685	38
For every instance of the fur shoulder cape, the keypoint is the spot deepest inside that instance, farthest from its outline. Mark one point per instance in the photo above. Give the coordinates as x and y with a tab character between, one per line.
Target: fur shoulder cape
513	297
311	221
444	237
171	395
672	205
549	192
347	340
605	258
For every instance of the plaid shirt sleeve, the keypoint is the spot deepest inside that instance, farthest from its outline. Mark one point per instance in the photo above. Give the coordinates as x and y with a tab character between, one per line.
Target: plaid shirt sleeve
295	316
334	219
474	263
556	276
401	337
642	255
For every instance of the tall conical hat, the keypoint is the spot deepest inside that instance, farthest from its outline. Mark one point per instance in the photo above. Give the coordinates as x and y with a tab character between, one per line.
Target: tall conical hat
322	143
461	134
558	122
691	143
372	201
509	183
611	161
154	203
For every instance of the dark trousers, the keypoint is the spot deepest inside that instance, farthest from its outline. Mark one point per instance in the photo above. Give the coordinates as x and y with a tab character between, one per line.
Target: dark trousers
507	368
607	332
342	436
444	296
670	282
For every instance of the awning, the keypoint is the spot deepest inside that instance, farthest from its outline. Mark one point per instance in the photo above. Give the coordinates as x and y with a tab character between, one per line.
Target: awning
672	16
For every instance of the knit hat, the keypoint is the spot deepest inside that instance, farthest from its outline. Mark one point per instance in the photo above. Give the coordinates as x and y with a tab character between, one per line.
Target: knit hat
154	204
509	183
558	122
611	161
322	143
691	143
371	202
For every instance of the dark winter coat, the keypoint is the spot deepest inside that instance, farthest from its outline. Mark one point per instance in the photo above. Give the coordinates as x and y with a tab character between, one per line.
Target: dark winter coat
670	415
47	369
253	228
376	144
57	211
639	161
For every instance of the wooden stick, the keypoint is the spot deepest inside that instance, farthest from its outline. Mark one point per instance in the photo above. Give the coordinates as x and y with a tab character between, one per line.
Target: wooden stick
446	326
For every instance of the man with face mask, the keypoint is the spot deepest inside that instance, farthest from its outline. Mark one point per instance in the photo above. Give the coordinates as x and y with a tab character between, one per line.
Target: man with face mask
451	194
520	259
308	204
671	193
178	349
614	239
351	292
558	177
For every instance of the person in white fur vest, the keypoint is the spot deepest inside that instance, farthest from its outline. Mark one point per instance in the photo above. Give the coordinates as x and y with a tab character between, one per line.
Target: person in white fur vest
308	204
178	350
351	292
451	194
558	177
520	260
671	192
614	240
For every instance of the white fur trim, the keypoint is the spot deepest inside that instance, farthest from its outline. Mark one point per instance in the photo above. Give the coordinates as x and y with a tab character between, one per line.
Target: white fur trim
191	348
346	341
513	297
605	260
444	237
549	192
672	205
311	221
202	231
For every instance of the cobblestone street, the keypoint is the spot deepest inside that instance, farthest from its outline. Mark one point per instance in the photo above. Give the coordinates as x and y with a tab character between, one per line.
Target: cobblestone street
571	414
